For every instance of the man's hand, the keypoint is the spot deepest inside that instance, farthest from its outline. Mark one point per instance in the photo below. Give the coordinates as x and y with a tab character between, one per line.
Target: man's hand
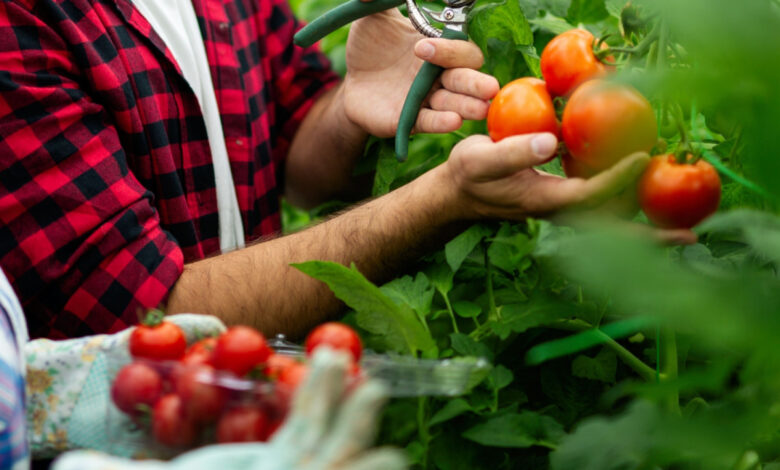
497	180
384	53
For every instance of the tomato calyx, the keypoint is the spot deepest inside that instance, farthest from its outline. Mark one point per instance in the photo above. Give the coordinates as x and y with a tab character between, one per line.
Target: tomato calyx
152	318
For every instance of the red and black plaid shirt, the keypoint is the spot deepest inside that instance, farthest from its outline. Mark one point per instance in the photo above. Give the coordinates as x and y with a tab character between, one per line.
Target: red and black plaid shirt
106	181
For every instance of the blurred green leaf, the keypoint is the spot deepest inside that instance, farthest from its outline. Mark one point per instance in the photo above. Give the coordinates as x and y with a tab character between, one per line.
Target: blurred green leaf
517	430
466	346
602	367
457	250
452	409
586	11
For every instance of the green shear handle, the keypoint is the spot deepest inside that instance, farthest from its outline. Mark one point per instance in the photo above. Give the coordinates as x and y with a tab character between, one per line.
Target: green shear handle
338	17
354	9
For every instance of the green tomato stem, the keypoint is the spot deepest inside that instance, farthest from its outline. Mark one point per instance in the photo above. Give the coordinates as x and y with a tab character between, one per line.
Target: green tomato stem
449	309
669	365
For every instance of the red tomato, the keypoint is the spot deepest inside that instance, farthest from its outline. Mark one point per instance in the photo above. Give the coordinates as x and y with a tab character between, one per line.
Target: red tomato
522	106
203	400
602	123
136	384
568	61
276	363
676	195
243	424
199	353
240	349
170	426
293	376
157	339
576	169
337	336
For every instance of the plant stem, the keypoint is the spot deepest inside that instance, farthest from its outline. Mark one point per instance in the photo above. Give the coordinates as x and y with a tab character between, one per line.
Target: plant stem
493	314
669	365
628	358
449	309
422	429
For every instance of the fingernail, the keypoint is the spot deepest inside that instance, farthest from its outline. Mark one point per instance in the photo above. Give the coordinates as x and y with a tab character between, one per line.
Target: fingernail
425	50
543	145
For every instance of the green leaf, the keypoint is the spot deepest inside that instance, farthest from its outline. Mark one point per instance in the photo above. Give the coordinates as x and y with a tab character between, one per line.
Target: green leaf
416	293
518	318
517	430
615	7
387	168
441	277
459	248
376	312
466	346
552	23
509	250
500	377
602	367
466	309
586	11
452	409
503	21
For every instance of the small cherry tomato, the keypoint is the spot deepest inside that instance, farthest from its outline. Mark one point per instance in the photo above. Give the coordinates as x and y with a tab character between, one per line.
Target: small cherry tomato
157	339
602	123
568	60
293	376
240	349
522	106
243	424
170	425
135	385
200	353
678	195
337	336
203	399
276	363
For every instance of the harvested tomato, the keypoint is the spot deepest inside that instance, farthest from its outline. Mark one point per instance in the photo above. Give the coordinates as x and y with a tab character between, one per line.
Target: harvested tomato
199	353
203	399
170	425
243	424
603	122
276	363
136	385
337	336
293	376
522	106
157	339
240	349
568	61
678	195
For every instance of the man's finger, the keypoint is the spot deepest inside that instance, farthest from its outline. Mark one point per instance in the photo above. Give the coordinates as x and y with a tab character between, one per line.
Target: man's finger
470	82
466	106
612	181
486	161
437	122
449	53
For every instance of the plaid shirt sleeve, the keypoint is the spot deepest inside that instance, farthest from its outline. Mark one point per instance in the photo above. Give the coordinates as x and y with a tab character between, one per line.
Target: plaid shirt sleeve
300	75
79	237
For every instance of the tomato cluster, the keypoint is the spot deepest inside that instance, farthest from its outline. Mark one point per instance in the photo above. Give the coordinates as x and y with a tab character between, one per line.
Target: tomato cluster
601	123
231	388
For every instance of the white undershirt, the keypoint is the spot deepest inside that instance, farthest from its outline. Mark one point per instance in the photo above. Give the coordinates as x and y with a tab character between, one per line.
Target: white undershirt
176	23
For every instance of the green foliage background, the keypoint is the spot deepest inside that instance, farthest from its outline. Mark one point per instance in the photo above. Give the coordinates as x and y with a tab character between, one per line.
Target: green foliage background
609	352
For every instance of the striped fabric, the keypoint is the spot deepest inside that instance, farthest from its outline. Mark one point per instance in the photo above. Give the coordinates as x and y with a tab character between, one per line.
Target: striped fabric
14	453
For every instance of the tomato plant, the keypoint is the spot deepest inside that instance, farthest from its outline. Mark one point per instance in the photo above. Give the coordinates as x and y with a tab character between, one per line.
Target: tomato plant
336	336
240	349
136	385
678	195
157	339
568	60
603	123
521	107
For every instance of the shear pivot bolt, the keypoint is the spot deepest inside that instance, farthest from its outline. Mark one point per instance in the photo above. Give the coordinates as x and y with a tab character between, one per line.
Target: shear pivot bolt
448	15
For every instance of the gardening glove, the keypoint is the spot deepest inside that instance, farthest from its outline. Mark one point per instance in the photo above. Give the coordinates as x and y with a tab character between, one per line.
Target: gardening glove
68	385
324	431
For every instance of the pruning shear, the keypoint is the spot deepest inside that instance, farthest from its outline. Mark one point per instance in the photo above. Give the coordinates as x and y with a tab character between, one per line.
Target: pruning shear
453	17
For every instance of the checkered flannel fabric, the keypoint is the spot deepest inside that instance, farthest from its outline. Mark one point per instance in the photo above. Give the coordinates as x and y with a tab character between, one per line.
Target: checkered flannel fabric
106	181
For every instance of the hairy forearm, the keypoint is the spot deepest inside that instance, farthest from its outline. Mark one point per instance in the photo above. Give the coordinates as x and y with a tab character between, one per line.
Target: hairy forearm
323	153
257	285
